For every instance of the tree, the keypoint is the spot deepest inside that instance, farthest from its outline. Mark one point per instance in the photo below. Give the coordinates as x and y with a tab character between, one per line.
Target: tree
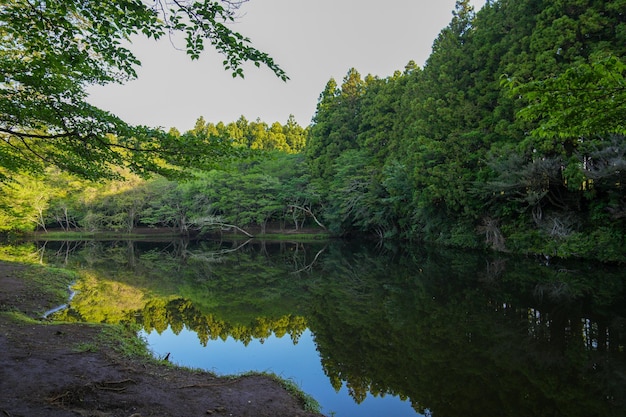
257	135
355	198
23	206
335	124
316	147
238	132
586	100
295	135
50	51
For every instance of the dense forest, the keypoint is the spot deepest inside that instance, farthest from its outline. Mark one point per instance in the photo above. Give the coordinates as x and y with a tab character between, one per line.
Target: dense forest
510	137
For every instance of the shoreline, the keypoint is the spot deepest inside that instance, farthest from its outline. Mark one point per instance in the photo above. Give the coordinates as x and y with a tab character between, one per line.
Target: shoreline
53	369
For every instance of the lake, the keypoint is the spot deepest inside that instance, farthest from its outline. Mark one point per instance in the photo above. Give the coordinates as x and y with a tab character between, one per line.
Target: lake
370	330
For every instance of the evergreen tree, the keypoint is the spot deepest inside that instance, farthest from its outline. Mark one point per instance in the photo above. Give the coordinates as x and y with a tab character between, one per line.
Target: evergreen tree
335	124
295	135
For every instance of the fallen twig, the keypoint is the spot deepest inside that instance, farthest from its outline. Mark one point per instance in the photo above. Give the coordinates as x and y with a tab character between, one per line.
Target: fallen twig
58	397
114	385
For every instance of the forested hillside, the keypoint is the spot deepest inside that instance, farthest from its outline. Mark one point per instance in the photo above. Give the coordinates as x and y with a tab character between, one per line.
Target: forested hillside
261	181
510	137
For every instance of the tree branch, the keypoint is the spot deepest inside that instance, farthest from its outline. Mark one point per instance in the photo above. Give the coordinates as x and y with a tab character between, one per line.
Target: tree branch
310	213
37	135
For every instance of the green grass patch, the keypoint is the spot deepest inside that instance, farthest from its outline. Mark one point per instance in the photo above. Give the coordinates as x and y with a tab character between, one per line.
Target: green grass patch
294	237
41	288
309	403
19	317
54	282
123	340
46	278
109	235
272	236
87	347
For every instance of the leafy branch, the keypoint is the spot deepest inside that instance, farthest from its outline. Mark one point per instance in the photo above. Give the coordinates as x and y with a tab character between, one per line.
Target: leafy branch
50	51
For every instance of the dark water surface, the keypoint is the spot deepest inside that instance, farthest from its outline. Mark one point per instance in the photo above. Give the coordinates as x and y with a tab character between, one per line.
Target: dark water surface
370	330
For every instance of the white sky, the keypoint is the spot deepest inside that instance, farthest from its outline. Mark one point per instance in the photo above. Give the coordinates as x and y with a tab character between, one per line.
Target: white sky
312	40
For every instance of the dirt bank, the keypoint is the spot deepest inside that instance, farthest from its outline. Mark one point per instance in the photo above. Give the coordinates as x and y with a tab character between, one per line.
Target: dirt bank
50	370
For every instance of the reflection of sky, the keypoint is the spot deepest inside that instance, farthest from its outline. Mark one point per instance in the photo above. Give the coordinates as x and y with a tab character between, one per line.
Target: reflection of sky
299	363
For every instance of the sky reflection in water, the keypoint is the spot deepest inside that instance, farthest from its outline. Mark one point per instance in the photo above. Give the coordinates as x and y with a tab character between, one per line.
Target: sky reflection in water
458	333
299	363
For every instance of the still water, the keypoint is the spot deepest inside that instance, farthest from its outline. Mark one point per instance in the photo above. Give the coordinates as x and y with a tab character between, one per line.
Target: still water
297	362
370	330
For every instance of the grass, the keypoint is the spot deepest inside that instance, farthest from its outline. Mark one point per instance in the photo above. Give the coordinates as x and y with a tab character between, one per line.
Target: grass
47	287
53	282
273	237
77	235
86	347
19	317
294	237
166	233
123	340
309	403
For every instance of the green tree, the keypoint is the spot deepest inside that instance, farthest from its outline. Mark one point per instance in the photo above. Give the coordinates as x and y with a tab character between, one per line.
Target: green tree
297	203
295	135
168	206
119	206
446	115
50	51
24	204
316	149
350	196
238	132
336	123
258	135
588	100
276	138
380	113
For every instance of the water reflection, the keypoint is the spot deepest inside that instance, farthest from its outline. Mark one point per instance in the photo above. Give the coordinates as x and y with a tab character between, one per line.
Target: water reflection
456	346
454	333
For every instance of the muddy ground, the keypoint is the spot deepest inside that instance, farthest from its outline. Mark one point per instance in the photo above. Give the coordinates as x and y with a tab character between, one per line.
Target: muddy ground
59	370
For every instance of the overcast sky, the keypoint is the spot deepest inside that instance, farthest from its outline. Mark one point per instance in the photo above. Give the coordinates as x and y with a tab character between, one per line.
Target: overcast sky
313	40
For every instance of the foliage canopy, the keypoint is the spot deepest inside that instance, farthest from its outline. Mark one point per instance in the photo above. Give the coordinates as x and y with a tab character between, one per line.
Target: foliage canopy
50	51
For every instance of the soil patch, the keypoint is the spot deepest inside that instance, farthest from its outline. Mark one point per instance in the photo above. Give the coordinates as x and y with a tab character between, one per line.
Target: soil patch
59	370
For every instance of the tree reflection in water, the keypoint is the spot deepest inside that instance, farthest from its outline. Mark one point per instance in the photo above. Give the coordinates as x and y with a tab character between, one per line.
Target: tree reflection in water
455	333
